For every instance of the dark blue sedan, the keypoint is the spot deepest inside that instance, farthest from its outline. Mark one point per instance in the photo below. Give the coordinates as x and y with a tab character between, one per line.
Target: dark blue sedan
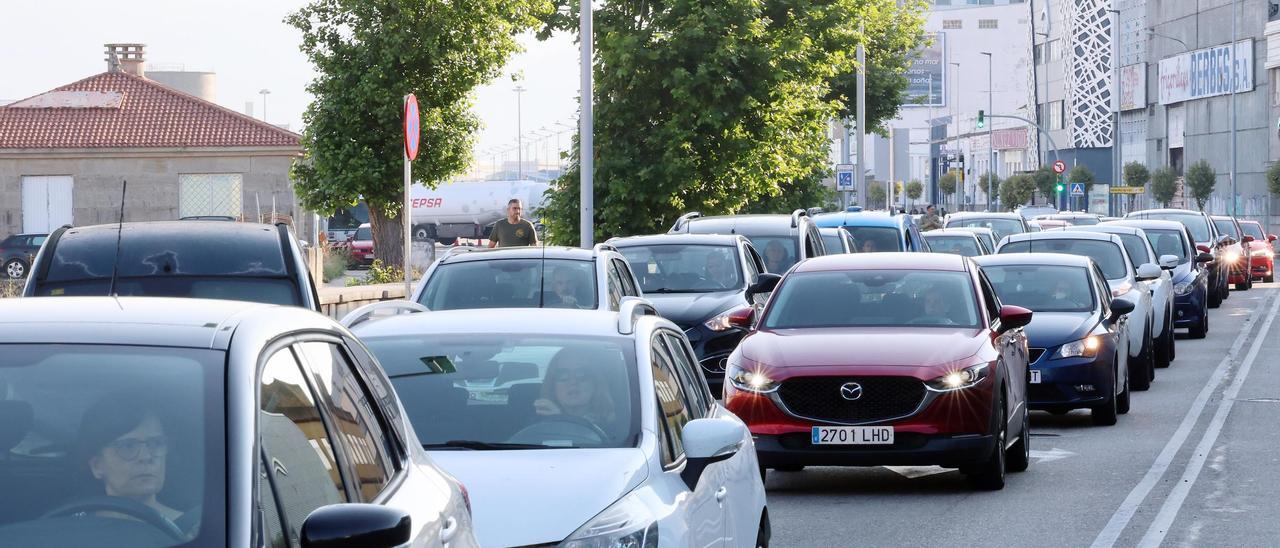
1077	337
1190	278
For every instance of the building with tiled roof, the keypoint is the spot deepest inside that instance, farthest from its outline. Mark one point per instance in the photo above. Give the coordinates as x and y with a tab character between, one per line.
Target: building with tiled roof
65	153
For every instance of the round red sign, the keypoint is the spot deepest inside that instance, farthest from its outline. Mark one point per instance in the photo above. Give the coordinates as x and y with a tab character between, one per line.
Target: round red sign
412	132
1059	167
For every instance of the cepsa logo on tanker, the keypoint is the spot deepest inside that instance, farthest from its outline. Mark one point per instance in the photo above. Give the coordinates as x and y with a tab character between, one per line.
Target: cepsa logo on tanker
426	203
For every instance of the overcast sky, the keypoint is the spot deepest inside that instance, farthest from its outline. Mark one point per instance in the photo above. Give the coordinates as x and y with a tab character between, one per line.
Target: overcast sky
49	43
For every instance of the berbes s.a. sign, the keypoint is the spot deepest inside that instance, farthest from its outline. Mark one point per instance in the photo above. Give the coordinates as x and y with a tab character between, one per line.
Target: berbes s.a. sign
1205	73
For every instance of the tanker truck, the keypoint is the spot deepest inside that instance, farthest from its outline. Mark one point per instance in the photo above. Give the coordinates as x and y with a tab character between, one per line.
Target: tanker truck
468	210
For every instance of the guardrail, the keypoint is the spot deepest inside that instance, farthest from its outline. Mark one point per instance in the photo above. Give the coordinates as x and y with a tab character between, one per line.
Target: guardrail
336	302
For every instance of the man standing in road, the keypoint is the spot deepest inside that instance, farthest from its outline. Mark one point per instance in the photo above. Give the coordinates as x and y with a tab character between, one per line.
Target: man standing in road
930	221
513	231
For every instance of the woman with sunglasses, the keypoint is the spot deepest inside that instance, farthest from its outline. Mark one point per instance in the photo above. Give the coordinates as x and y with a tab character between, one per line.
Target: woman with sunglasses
575	385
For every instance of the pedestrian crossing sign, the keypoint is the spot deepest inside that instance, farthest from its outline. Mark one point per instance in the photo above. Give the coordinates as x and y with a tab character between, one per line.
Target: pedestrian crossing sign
1077	189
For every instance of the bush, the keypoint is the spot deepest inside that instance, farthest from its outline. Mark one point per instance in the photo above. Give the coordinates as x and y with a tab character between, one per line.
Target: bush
1017	190
379	273
336	260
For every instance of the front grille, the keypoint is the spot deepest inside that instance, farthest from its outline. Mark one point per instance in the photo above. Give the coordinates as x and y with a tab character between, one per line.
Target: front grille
882	398
1034	354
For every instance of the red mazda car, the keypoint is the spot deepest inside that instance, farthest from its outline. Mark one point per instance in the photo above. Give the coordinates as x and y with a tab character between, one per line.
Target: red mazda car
361	246
886	359
1261	253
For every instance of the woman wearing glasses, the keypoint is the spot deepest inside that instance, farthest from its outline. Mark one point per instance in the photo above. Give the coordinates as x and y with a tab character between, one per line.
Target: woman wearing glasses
575	386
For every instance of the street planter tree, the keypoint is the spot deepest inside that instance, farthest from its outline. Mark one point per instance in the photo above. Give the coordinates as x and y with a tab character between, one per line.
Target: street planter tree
1164	186
1201	180
876	195
947	185
914	190
994	185
1045	182
1017	190
1135	175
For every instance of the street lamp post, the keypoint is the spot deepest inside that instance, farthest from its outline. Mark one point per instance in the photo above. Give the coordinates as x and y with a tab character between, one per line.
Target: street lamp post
519	134
1117	162
264	92
1235	197
586	139
991	143
955	109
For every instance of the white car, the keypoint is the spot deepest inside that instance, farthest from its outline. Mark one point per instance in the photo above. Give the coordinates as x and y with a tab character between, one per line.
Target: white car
1138	246
573	427
1125	280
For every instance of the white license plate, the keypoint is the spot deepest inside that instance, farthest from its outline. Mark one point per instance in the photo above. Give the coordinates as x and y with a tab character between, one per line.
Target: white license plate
852	435
1035	376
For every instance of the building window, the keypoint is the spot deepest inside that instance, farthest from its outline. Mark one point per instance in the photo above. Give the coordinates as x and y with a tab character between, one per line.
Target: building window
988	24
1275	87
1037	54
1054	112
1054	50
952	24
216	194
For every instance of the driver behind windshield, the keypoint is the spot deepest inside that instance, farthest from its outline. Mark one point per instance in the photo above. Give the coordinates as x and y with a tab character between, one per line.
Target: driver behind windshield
718	271
575	386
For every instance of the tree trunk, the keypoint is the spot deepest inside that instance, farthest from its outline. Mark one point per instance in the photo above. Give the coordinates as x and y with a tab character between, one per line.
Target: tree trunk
388	236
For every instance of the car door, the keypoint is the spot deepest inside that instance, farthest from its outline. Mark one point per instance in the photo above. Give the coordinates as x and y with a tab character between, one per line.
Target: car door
702	511
630	286
1013	350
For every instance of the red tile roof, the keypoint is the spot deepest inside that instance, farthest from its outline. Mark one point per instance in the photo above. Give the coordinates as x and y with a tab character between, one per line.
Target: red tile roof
150	115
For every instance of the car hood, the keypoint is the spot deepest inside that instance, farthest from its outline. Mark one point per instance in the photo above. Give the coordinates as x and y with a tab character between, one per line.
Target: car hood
541	496
891	346
1053	328
1183	273
690	309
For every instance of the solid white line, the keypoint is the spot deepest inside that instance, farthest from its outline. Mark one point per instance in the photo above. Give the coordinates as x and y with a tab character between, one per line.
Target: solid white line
1124	514
1173	503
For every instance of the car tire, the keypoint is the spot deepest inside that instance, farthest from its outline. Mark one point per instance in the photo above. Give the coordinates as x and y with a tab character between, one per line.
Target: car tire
1018	457
1268	279
1164	346
988	475
789	468
447	241
765	532
1201	328
1105	414
1141	368
764	474
1124	399
15	269
1172	340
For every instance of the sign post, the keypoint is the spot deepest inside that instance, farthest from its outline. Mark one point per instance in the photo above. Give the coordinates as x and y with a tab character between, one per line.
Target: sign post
412	133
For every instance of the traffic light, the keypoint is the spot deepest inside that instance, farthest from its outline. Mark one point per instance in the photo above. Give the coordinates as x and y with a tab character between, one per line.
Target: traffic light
1059	187
982	122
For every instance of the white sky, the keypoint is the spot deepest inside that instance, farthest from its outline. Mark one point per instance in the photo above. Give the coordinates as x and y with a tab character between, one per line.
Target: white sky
49	43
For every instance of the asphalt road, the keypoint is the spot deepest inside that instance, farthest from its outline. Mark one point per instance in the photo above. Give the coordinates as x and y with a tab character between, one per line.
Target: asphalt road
1195	463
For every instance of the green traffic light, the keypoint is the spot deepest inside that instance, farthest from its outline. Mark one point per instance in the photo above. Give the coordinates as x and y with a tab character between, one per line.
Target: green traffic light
981	118
1058	187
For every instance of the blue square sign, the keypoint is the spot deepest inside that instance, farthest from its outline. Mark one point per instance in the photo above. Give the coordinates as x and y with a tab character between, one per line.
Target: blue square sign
1077	189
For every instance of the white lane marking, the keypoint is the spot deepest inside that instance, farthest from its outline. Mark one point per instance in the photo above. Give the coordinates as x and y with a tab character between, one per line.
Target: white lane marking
1124	514
1173	503
1050	456
913	472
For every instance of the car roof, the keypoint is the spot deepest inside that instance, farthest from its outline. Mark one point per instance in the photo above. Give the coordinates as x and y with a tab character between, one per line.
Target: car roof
950	232
1101	229
884	261
145	321
985	215
1222	217
1133	214
1147	224
972	229
1048	259
732	224
467	254
525	321
859	218
1068	234
678	238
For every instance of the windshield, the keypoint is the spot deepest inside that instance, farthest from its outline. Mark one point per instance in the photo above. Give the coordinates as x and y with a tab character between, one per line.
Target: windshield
965	246
1255	230
778	252
1042	288
1108	255
534	391
679	268
511	283
833	242
1136	248
1000	227
1199	228
87	429
1168	242
873	298
872	239
1227	227
364	234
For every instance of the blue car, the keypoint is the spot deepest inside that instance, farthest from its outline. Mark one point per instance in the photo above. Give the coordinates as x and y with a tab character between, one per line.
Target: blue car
1077	338
876	231
1190	278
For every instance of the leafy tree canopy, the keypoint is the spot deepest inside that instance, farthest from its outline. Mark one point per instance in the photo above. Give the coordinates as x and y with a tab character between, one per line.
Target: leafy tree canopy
1201	180
1164	185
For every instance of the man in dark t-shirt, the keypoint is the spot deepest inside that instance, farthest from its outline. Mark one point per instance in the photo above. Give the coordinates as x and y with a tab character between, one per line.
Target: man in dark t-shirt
513	231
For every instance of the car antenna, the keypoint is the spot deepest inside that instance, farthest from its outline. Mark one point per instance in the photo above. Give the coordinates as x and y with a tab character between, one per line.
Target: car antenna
542	276
115	265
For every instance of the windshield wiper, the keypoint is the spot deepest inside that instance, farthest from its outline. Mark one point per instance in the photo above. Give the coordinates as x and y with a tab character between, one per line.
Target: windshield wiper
486	446
669	290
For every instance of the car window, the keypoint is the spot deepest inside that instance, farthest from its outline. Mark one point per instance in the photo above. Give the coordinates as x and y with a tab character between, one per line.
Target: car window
80	423
691	379
614	285
1100	286
38	240
511	283
1136	248
297	445
1043	288
873	298
367	445
1255	230
778	252
1226	226
833	242
364	234
989	297
555	392
681	268
1108	255
625	276
756	260
957	244
1200	230
1168	242
673	412
873	239
752	268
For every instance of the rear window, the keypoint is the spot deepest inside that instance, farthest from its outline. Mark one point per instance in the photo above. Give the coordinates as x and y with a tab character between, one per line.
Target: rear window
872	239
1253	229
1042	288
512	283
1226	227
956	245
1105	253
1168	242
364	234
1136	248
1199	228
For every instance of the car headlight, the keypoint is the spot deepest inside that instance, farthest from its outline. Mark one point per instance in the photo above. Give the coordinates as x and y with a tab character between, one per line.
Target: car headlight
960	378
1083	348
729	319
1232	256
1183	288
751	380
627	523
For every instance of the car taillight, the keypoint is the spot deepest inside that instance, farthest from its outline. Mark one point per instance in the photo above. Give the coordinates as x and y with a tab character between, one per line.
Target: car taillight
466	496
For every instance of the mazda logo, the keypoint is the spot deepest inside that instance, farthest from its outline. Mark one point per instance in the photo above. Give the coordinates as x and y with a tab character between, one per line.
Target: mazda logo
851	391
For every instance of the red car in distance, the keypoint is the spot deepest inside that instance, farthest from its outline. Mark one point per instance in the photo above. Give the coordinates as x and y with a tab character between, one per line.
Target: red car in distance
1262	252
360	246
886	359
1235	254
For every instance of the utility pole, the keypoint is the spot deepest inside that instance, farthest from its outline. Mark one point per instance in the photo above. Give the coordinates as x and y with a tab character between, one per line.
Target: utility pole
844	158
991	143
1117	161
1235	198
519	135
586	127
955	109
860	171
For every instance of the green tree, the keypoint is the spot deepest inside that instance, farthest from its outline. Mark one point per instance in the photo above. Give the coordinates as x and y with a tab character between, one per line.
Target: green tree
1017	190
367	55
995	184
1046	181
801	194
915	189
876	195
1201	180
715	106
1273	178
1164	185
1081	174
947	183
1136	174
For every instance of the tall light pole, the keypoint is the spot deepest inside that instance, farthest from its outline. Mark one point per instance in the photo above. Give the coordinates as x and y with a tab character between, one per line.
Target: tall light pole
264	92
955	108
586	141
991	143
1117	161
860	173
519	134
1235	198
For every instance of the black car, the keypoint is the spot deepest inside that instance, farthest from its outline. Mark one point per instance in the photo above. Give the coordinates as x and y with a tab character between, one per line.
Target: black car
712	286
1207	238
782	240
200	259
1077	337
17	252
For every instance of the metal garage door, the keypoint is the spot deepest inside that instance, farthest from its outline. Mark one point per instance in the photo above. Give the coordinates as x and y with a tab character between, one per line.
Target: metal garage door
46	203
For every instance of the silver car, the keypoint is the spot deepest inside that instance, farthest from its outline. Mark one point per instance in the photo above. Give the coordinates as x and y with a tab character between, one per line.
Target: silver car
157	422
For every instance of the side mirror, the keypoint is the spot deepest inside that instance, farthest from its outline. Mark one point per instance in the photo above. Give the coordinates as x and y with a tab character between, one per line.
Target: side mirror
1168	262
1148	272
742	317
1120	307
764	284
1203	248
356	525
1013	317
708	441
1271	237
1204	257
1246	239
